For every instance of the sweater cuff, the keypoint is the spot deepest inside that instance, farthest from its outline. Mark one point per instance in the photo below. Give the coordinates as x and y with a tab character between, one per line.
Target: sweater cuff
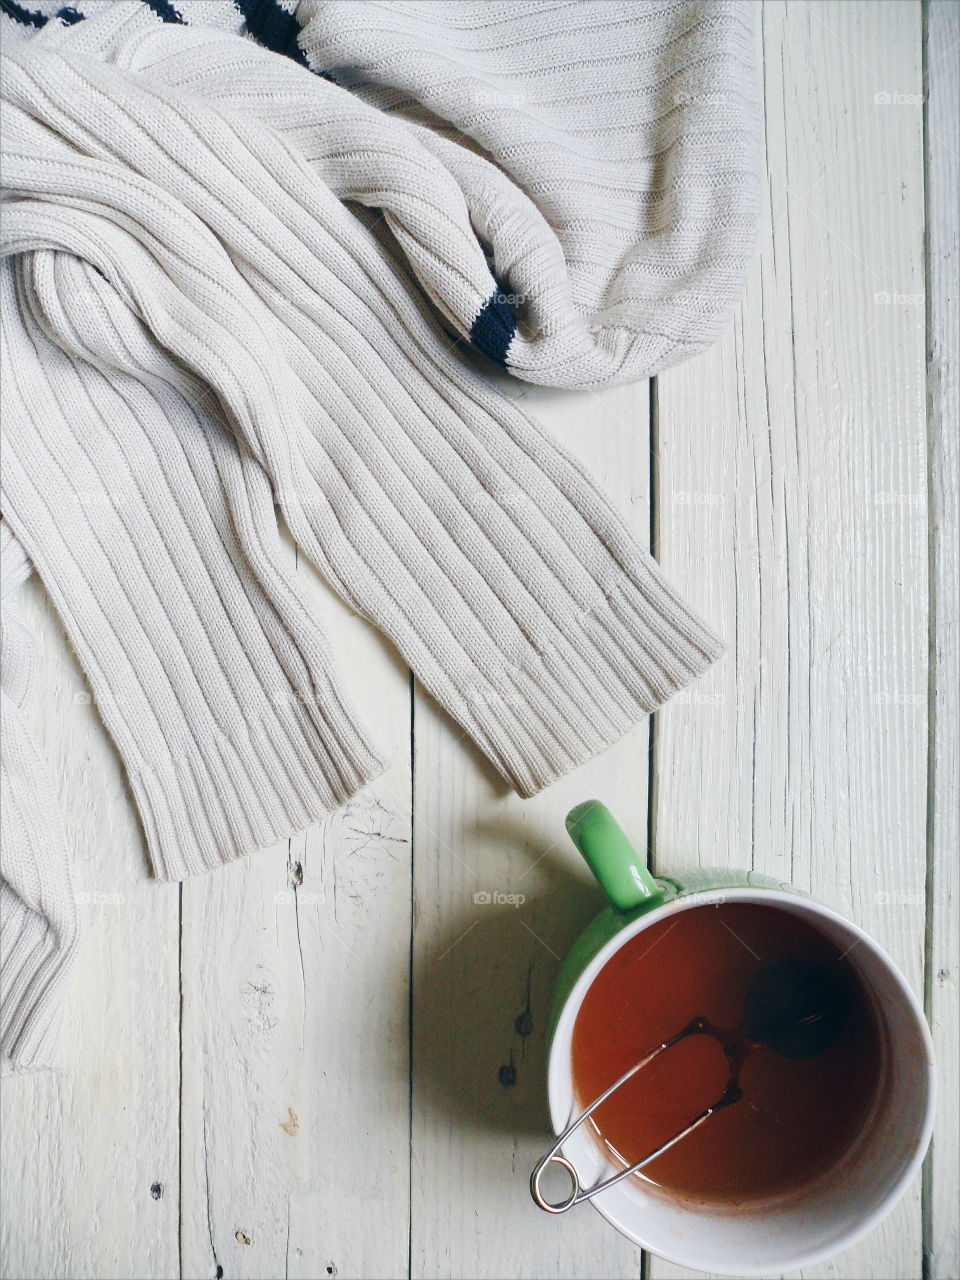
36	964
229	797
559	706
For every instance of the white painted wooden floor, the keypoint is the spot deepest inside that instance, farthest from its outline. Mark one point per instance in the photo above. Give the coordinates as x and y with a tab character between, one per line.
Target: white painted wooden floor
328	1060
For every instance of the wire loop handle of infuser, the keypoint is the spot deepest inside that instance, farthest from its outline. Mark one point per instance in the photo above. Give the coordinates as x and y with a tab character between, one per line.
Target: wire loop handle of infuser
577	1193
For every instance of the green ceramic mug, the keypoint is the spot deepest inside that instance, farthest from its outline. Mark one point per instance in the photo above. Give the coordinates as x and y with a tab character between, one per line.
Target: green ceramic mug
820	1219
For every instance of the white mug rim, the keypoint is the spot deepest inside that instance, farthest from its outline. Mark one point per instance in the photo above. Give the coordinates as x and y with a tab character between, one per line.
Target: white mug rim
559	1072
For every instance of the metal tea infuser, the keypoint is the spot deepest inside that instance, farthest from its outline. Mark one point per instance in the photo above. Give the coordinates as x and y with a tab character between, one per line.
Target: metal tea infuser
794	1007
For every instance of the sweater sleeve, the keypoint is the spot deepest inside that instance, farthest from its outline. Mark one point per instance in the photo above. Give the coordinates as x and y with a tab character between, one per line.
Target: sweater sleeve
38	917
437	509
137	506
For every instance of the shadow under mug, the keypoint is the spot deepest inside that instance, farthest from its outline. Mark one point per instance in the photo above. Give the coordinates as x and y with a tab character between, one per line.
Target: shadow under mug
821	1218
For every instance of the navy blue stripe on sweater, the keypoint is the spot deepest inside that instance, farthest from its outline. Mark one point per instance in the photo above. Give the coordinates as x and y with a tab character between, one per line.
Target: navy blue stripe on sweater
494	327
267	21
165	10
26	17
68	15
272	26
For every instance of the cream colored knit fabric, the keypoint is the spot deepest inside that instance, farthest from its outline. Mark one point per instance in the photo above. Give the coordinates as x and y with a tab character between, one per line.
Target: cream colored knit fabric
38	915
196	326
606	152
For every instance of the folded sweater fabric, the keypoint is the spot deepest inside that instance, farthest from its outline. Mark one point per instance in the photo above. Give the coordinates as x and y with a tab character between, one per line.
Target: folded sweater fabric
202	323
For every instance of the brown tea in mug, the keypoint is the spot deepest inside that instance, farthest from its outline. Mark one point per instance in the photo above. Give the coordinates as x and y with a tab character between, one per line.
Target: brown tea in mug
797	1117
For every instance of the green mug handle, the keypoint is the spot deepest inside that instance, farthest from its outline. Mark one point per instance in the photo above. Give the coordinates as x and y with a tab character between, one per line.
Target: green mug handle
620	870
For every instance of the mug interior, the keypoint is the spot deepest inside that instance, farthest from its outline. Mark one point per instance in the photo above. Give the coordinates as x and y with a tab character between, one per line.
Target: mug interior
820	1218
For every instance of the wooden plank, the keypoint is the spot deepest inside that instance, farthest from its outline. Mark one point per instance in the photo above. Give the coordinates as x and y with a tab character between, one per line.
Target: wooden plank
89	1169
295	962
791	488
791	509
483	972
942	138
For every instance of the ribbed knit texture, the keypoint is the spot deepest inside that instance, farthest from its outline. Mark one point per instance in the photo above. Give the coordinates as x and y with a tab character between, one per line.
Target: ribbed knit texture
197	329
612	178
38	915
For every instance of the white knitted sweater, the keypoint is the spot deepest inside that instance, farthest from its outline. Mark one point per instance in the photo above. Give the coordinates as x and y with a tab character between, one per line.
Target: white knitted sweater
201	324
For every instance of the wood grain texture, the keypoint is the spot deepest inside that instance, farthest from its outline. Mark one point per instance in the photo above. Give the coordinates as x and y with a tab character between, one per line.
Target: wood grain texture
89	1174
295	1117
328	1059
484	970
801	510
942	136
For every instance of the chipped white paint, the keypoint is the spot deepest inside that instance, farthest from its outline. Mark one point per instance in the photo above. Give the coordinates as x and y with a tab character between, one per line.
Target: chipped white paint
295	1113
245	1101
90	1178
